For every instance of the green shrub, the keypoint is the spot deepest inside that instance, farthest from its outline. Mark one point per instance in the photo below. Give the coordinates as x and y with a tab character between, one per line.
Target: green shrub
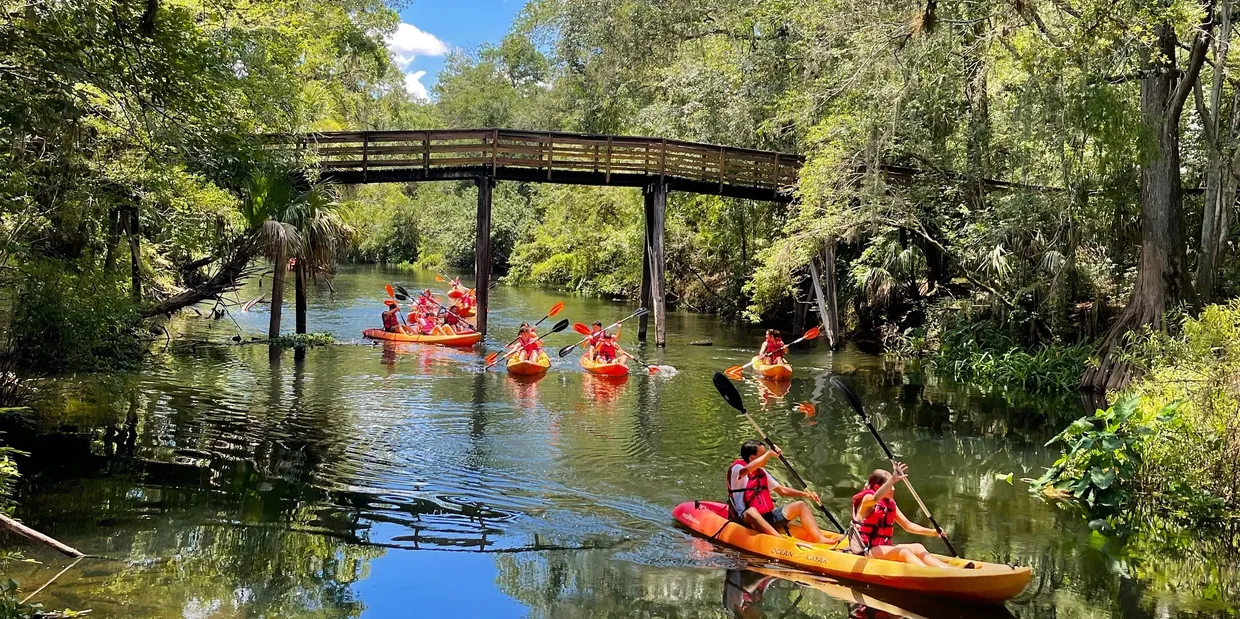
305	340
66	320
1171	446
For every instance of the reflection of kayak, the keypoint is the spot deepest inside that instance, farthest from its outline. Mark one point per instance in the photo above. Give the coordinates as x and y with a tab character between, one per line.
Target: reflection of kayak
779	371
602	368
460	339
527	368
894	603
774	388
988	582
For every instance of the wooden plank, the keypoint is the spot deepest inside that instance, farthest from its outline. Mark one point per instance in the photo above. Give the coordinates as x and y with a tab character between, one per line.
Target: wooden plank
482	252
426	152
608	159
550	156
494	148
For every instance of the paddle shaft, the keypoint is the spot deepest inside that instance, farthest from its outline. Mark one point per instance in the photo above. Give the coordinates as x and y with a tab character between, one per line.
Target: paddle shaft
795	475
891	456
449	310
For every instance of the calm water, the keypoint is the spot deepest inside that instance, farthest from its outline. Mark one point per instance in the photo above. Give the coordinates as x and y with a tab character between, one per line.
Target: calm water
401	480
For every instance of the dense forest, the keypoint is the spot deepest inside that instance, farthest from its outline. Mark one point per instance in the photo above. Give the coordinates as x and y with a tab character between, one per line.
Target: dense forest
1069	209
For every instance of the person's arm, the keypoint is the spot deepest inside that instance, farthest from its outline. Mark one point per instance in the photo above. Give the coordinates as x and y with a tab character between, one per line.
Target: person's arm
868	502
783	490
761	460
762	349
913	527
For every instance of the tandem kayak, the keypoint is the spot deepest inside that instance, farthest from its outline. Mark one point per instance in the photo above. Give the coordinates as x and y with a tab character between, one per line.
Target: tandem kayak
989	583
528	368
602	368
778	371
460	339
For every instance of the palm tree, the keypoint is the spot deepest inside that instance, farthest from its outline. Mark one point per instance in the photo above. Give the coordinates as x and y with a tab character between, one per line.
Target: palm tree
270	198
324	237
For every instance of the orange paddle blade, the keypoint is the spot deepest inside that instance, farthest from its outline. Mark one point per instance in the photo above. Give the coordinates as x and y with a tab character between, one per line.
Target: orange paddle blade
813	333
734	372
653	368
491	358
807	408
555	309
440	278
582	329
391	292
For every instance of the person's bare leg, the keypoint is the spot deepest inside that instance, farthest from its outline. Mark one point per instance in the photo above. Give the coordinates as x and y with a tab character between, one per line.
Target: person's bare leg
896	553
925	555
756	521
800	509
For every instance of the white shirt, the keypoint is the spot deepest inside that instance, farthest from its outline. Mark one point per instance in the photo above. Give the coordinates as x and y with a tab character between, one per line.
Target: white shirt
738	480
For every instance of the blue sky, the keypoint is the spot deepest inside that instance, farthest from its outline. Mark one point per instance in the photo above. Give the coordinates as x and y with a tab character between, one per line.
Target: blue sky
429	29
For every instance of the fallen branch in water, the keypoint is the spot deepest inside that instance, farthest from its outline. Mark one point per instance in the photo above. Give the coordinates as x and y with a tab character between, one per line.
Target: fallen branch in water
30	533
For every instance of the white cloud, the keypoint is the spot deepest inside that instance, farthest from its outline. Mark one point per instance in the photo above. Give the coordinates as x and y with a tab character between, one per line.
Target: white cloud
415	87
408	42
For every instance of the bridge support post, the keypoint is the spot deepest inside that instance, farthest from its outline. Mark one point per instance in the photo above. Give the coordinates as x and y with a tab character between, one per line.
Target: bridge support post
653	290
482	251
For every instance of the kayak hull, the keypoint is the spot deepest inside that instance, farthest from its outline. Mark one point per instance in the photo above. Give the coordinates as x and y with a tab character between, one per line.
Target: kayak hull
528	368
614	368
780	371
460	339
988	583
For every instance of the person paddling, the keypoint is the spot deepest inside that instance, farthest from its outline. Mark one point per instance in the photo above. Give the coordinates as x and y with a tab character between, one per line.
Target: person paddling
391	318
423	322
772	350
749	496
528	343
875	515
609	350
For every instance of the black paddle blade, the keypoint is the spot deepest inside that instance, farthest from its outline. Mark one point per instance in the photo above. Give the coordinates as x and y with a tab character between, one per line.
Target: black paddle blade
853	399
564	352
494	285
400	296
728	391
641	311
560	326
401	289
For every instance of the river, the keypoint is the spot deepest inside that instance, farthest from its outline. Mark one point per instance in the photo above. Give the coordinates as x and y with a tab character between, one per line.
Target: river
385	480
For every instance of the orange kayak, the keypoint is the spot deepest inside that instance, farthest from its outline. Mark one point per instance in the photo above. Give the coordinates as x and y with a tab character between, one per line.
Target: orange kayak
602	368
527	368
989	583
778	371
460	339
464	312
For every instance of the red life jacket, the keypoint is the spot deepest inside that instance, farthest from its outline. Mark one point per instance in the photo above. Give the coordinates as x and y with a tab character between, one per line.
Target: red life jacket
606	348
531	345
774	347
450	319
756	493
877	528
390	321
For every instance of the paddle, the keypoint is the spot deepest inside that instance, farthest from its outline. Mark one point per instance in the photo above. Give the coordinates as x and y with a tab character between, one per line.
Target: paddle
445	308
559	326
564	352
733	398
555	309
855	402
735	371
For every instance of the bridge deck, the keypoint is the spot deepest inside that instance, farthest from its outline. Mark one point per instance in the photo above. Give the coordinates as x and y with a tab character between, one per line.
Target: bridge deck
410	156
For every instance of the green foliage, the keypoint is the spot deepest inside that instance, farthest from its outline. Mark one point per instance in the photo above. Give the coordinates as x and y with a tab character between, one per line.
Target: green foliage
979	352
66	320
1171	441
305	340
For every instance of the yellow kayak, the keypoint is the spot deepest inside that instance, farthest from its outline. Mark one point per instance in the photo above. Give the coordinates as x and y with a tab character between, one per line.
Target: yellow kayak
777	371
527	368
458	339
989	583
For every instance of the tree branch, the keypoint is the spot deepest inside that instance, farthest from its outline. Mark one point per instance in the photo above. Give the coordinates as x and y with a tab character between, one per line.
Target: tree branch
1196	58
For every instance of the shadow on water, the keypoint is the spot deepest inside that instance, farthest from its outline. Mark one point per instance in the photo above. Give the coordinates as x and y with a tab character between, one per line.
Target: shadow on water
356	478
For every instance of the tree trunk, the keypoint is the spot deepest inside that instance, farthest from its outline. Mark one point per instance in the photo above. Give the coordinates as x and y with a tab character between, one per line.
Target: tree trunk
135	252
277	292
1160	273
299	288
1221	177
978	100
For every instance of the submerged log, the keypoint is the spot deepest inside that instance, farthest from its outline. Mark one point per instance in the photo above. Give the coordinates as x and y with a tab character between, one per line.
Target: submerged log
30	533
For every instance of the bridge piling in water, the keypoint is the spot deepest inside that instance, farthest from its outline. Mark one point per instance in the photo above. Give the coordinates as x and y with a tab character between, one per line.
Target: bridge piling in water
653	283
482	252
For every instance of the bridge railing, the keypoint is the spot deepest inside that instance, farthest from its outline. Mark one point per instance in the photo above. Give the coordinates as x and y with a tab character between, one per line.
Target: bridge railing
551	153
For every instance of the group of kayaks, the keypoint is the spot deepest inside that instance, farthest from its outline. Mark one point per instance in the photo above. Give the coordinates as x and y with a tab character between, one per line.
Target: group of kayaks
973	581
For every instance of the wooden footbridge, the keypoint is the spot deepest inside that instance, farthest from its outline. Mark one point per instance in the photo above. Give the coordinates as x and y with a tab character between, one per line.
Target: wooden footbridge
488	155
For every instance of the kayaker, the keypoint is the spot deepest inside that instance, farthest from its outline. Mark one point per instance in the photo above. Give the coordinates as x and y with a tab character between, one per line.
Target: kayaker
749	496
772	351
528	343
875	515
452	320
391	318
423	322
609	350
426	301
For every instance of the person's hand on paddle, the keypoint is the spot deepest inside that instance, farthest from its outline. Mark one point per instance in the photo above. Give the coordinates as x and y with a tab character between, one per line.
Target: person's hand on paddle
813	496
899	471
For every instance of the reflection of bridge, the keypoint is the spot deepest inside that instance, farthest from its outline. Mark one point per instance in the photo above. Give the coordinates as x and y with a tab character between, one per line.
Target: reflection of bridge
489	155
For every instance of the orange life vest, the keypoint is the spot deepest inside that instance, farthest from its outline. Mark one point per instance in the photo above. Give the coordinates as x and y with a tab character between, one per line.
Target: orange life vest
755	494
390	322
